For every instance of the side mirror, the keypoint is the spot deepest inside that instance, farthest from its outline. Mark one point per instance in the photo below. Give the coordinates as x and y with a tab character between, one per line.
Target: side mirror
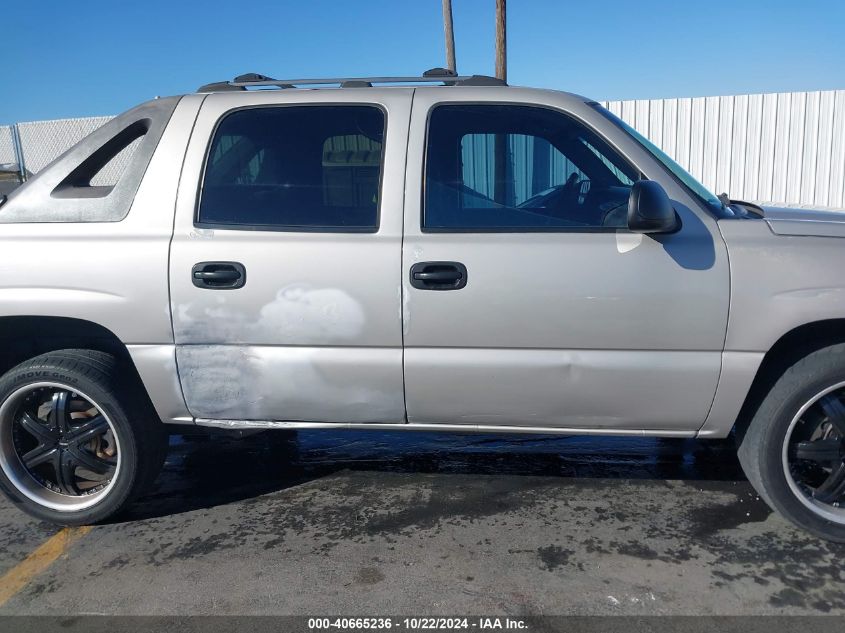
649	209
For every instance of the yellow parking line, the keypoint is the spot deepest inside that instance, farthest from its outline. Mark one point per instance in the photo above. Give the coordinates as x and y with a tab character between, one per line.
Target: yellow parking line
40	559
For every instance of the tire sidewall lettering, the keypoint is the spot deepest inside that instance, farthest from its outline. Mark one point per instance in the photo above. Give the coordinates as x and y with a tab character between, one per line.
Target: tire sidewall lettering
36	375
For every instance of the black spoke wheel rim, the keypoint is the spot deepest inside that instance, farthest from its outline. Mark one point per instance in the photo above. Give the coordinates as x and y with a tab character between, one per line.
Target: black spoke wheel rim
814	454
58	447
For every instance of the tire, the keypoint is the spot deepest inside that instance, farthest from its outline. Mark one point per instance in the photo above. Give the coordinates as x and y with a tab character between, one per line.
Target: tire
83	465
770	451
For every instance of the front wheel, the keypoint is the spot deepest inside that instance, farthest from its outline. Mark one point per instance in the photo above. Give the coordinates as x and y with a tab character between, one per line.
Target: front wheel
793	450
77	442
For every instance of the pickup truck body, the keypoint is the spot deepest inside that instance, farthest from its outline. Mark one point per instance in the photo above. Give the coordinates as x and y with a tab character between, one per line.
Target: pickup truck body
581	329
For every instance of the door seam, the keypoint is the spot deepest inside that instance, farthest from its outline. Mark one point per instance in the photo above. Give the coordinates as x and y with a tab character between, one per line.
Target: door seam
402	257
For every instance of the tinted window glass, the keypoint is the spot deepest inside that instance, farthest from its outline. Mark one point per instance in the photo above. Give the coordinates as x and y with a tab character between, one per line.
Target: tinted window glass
679	172
500	167
302	167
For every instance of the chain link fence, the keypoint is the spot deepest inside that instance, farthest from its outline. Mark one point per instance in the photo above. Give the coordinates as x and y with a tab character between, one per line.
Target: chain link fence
9	167
44	141
784	148
8	151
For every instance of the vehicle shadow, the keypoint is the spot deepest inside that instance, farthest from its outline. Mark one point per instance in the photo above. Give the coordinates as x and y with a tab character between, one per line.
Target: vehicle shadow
692	248
211	471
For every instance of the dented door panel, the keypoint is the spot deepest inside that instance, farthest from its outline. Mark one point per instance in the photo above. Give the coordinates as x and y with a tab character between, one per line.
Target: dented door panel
591	389
592	330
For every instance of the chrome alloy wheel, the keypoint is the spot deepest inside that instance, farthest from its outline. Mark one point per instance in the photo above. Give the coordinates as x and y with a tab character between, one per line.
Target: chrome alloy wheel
814	454
58	447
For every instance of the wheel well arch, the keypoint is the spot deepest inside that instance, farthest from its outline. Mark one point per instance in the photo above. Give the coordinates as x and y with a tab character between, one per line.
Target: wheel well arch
25	337
787	350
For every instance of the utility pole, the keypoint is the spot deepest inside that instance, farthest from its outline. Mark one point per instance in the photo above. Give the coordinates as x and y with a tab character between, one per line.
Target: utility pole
501	41
502	167
449	35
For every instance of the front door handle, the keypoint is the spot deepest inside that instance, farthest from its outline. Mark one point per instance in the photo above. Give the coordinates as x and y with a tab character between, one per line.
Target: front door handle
218	275
438	276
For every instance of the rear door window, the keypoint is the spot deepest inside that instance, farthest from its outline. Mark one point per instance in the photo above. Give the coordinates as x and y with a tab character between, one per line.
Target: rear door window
306	168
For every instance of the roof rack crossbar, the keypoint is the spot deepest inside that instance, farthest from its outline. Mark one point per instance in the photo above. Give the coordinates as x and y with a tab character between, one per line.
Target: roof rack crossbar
252	80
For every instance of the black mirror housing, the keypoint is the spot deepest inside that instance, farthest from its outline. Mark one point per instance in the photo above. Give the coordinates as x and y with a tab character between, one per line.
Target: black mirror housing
649	209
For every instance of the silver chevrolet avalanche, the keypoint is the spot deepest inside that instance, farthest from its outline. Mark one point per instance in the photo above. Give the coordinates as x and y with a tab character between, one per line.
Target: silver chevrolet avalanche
438	252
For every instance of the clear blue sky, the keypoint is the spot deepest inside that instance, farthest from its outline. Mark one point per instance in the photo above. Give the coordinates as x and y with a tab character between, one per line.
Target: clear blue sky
67	59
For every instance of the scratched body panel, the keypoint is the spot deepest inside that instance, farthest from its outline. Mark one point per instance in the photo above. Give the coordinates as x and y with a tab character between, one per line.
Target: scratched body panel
315	334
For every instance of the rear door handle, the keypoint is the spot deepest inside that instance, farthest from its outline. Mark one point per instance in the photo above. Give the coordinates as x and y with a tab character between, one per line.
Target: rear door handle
438	276
218	275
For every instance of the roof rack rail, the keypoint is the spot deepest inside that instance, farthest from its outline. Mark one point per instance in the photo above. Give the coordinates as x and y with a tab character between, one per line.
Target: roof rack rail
435	75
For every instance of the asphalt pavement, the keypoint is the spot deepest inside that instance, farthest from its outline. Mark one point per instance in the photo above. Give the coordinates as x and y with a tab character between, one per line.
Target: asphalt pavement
369	522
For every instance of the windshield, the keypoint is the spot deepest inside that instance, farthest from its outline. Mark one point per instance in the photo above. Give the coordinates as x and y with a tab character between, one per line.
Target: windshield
679	172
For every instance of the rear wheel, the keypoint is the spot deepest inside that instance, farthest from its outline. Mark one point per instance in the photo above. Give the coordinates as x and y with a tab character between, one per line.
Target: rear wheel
77	443
793	450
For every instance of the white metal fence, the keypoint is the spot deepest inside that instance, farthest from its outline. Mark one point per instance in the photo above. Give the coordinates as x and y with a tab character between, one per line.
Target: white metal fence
785	148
